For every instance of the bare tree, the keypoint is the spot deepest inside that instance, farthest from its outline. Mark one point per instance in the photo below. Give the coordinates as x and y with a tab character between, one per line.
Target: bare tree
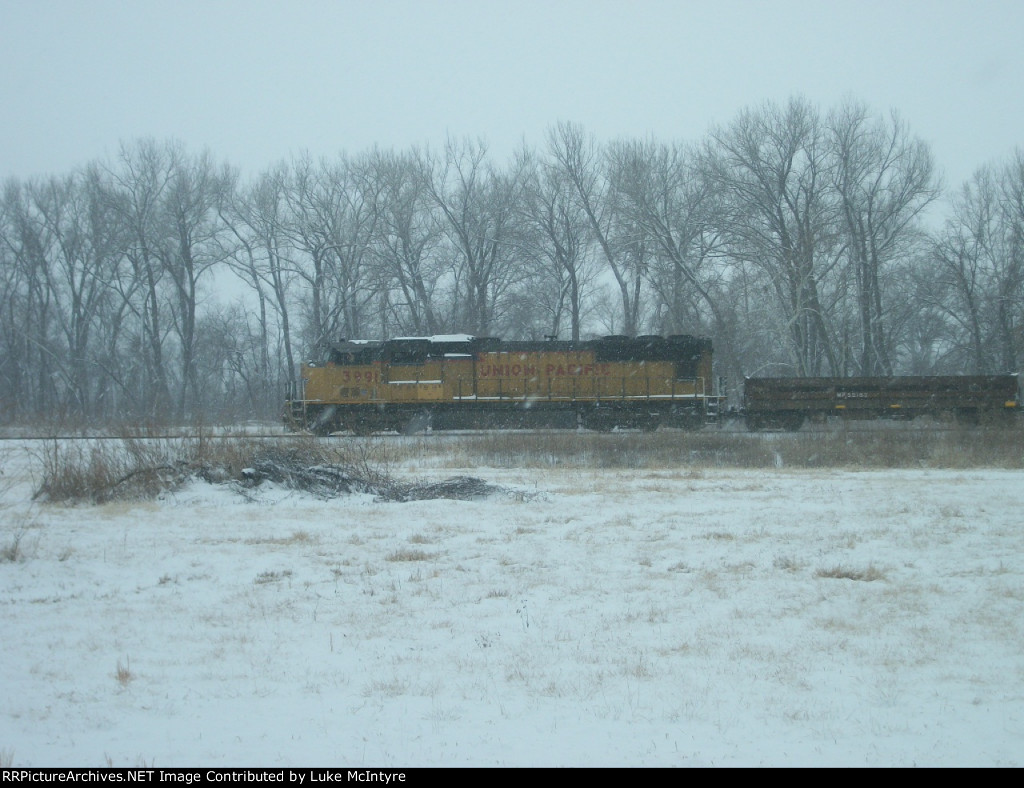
12	311
229	354
1010	288
554	232
406	238
28	306
621	245
780	215
188	250
885	180
980	260
478	204
334	217
666	195
262	257
135	188
79	258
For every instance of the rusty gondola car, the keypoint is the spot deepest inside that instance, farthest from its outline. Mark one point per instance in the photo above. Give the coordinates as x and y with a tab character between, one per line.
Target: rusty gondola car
786	403
466	382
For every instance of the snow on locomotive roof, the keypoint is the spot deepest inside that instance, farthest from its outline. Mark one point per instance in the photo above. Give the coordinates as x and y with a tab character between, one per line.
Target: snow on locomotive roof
441	338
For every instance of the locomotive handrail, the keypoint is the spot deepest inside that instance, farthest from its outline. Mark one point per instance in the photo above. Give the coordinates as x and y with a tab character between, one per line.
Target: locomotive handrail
518	388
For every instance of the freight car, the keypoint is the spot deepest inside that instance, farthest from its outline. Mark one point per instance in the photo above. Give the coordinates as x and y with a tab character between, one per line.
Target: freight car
786	403
466	382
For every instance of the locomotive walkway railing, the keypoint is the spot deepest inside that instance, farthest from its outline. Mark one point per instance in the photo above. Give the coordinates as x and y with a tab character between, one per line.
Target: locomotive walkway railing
621	389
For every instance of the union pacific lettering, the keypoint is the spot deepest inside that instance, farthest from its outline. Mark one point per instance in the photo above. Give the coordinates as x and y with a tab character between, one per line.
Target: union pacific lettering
485	370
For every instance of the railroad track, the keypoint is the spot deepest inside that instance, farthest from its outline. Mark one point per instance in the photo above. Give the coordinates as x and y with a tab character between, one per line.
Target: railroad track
855	427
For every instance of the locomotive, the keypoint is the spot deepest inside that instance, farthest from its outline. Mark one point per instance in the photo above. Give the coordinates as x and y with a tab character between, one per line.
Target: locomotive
459	381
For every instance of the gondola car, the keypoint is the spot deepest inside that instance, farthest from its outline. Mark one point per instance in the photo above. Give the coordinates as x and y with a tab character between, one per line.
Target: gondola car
466	382
786	403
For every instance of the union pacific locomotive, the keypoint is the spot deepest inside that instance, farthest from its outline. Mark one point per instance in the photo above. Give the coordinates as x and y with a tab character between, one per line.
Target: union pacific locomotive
466	382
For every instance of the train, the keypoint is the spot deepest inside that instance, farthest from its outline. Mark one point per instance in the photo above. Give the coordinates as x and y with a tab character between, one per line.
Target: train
461	381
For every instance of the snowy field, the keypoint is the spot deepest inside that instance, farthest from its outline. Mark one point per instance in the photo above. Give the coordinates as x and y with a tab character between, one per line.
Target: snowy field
661	617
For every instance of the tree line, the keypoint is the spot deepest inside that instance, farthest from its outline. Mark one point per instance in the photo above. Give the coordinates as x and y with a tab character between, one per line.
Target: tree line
161	286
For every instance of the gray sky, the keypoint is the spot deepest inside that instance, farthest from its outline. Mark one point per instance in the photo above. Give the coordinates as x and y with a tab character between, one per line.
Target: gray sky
256	81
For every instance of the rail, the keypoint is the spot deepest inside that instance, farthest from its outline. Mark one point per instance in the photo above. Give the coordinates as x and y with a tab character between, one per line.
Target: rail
870	426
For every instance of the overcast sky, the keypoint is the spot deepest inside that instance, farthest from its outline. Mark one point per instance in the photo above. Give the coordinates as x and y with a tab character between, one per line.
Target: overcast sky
256	81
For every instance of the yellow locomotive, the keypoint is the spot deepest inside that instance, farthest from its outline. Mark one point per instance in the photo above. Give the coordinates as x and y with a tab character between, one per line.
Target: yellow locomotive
459	381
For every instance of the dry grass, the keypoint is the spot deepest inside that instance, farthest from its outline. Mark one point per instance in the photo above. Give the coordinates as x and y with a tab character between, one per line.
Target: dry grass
902	446
839	572
296	538
123	673
132	467
272	577
103	470
787	564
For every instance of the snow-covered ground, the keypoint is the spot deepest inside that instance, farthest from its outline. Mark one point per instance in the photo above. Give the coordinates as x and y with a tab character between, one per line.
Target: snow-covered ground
675	617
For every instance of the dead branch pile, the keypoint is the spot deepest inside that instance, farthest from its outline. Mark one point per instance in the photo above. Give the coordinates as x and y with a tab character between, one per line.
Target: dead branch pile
135	470
323	481
331	480
459	488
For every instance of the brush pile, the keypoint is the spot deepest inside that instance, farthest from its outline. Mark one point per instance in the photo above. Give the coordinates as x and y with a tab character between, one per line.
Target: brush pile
332	480
138	470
